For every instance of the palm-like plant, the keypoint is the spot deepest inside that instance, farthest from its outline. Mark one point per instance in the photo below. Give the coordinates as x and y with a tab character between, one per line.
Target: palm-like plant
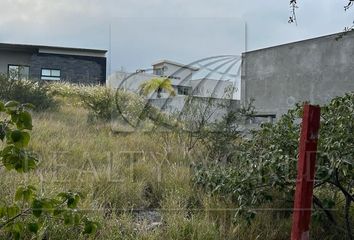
157	85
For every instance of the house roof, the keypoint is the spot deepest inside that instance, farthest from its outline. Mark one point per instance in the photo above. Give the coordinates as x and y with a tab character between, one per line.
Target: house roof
175	63
53	49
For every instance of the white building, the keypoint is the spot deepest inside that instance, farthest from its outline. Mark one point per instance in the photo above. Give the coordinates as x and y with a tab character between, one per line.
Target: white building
186	81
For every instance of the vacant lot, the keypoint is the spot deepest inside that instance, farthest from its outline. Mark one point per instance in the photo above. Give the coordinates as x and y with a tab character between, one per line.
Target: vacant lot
149	184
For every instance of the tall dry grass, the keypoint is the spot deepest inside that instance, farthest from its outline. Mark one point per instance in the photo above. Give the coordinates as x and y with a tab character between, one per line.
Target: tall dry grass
122	174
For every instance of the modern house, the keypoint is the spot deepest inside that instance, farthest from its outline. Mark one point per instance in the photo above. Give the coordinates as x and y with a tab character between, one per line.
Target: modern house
47	63
179	74
185	81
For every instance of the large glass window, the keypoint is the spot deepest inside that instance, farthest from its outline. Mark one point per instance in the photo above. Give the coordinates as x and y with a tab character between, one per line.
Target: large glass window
50	74
18	72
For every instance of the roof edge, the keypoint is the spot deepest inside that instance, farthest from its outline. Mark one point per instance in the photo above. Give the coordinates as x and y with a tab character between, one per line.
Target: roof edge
174	63
300	41
53	47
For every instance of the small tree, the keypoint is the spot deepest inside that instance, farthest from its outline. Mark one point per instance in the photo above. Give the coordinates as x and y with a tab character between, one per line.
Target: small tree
157	85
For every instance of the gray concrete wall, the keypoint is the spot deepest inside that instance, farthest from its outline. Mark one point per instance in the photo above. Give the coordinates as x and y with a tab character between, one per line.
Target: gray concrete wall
314	70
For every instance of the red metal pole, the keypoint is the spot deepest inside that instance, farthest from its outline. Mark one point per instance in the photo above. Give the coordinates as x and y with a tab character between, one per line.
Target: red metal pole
306	172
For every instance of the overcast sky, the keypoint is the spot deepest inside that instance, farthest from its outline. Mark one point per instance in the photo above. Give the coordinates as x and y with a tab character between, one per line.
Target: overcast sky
144	31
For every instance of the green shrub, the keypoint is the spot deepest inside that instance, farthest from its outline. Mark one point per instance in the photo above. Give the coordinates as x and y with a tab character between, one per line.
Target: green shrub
25	91
108	104
222	137
264	169
100	102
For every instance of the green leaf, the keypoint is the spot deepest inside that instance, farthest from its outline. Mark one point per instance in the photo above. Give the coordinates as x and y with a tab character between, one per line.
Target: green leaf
90	227
20	138
77	219
328	203
29	194
33	227
24	121
68	218
57	211
73	201
8	155
16	136
2	211
18	159
12	211
14	116
19	194
48	205
16	230
25	194
30	163
37	208
72	198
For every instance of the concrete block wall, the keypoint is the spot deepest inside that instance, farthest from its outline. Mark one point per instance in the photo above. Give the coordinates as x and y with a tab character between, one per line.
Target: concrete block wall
314	70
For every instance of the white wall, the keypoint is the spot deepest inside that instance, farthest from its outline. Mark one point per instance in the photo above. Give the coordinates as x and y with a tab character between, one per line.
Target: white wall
213	88
128	81
216	108
131	82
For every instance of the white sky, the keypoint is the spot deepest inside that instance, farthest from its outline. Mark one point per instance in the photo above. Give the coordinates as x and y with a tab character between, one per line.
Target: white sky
144	31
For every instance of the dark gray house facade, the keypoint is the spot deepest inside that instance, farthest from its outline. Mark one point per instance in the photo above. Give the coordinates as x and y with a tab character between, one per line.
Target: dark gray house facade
46	63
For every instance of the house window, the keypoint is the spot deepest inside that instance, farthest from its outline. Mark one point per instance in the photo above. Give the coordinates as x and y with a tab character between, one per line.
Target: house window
18	72
50	74
159	71
181	90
